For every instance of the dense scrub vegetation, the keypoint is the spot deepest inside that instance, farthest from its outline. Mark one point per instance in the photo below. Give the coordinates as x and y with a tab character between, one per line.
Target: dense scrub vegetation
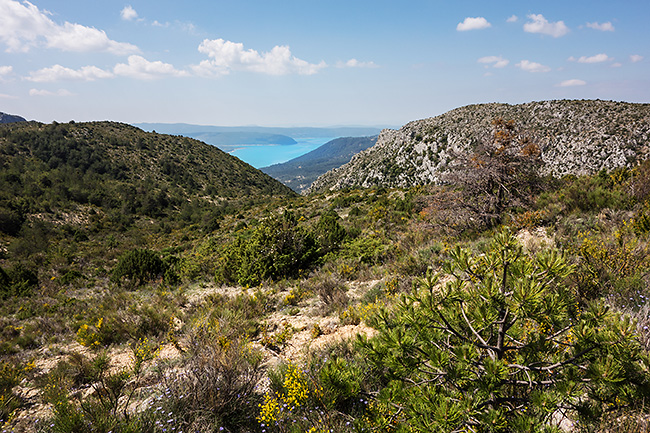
187	314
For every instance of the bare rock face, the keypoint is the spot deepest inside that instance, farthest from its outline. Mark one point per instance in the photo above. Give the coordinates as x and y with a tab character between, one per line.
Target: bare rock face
575	137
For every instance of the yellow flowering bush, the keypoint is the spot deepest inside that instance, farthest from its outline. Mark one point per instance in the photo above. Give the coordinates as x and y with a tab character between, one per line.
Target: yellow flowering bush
294	393
358	313
269	410
295	387
90	335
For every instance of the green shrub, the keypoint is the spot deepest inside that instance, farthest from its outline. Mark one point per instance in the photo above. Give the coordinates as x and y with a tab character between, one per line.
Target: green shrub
641	222
369	249
70	275
10	221
277	248
138	267
329	232
502	344
587	194
341	382
18	280
9	402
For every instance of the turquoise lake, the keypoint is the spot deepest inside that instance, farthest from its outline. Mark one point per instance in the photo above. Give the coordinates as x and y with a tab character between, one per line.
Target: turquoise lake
262	155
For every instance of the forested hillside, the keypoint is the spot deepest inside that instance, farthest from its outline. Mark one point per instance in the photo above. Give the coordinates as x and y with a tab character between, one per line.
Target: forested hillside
119	170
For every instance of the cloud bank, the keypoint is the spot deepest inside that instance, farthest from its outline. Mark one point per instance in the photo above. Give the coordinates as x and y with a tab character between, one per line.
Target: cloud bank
604	27
226	56
539	24
528	66
572	83
598	58
354	63
136	67
23	26
470	23
495	61
128	13
58	72
60	92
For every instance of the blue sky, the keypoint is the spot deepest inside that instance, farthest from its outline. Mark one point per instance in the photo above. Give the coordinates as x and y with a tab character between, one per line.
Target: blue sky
312	62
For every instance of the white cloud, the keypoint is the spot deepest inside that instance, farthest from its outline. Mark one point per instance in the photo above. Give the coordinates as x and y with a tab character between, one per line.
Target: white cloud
572	83
75	37
598	58
60	92
539	24
128	13
141	68
5	71
58	72
470	23
512	19
529	66
5	96
354	63
616	65
495	61
634	58
226	56
23	26
603	27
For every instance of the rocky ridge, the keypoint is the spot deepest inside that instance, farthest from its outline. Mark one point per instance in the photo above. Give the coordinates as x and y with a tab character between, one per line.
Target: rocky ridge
575	137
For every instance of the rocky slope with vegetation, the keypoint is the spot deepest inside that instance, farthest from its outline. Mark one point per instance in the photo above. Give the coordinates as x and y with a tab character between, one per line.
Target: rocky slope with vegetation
136	299
575	137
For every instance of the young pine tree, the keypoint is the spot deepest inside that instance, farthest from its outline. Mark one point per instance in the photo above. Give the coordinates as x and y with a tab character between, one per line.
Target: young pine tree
497	343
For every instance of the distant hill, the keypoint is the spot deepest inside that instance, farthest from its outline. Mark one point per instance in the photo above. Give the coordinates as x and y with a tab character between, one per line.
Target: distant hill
575	137
229	137
10	118
119	170
226	141
299	173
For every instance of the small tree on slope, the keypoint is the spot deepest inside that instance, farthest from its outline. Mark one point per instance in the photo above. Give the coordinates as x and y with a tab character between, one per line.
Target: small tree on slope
498	344
499	175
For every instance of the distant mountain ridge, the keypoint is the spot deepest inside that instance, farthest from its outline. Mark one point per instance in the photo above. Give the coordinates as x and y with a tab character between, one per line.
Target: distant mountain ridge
226	141
228	138
295	132
299	173
575	137
11	118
